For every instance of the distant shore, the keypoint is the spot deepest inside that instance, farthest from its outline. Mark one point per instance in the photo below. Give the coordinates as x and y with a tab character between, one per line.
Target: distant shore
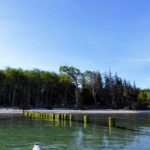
104	111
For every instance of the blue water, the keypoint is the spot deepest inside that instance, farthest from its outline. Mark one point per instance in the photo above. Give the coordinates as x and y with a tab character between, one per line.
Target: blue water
19	133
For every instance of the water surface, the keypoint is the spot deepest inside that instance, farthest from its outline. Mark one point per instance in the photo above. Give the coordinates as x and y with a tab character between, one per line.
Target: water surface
19	133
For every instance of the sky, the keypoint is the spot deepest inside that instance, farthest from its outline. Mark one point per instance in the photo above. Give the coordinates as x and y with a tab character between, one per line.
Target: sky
96	35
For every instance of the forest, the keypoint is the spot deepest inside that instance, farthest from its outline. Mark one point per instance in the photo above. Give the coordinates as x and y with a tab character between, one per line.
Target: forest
70	88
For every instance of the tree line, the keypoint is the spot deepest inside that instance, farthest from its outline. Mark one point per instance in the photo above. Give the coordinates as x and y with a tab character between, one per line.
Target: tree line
70	88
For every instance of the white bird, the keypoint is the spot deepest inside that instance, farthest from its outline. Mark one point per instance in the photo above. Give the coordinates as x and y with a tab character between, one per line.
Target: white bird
36	147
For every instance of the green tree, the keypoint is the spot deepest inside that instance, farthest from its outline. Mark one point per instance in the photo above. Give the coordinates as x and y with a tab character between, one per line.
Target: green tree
65	83
94	81
76	78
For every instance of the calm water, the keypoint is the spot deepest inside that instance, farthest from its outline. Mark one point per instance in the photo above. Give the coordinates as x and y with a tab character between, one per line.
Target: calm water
18	133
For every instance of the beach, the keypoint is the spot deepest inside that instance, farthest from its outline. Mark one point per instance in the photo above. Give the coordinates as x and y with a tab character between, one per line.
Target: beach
104	111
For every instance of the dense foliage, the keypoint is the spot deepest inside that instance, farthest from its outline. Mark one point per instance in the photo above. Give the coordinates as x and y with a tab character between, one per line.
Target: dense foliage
70	88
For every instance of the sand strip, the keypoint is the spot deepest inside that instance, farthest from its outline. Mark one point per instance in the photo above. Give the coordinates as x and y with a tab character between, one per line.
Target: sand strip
108	111
93	111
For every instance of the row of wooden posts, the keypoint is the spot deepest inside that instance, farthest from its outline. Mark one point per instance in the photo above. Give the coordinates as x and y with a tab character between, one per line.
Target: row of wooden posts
61	116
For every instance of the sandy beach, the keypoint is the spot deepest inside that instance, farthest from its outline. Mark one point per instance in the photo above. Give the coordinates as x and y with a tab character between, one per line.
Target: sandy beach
94	111
108	111
10	111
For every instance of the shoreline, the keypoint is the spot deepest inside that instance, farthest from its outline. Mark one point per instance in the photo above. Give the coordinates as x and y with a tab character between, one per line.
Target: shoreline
108	111
66	111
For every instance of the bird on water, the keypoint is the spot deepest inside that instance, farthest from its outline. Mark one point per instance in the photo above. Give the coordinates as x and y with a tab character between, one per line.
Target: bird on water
36	147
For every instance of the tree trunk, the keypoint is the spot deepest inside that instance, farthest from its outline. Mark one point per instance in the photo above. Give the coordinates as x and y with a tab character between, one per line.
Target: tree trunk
14	96
77	97
65	95
94	96
29	96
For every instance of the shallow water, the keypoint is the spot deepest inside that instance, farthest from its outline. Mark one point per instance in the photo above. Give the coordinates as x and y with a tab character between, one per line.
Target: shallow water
19	133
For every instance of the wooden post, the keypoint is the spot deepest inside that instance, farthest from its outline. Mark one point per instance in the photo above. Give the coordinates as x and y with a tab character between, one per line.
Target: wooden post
64	116
70	119
86	120
112	122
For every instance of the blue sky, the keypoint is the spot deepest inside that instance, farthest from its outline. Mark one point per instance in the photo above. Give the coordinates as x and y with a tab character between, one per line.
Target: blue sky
88	34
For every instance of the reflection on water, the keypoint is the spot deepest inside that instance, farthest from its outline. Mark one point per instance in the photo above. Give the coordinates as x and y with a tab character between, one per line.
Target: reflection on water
18	133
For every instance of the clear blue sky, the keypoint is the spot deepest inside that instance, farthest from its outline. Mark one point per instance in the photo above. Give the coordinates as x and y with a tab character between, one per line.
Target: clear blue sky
88	34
